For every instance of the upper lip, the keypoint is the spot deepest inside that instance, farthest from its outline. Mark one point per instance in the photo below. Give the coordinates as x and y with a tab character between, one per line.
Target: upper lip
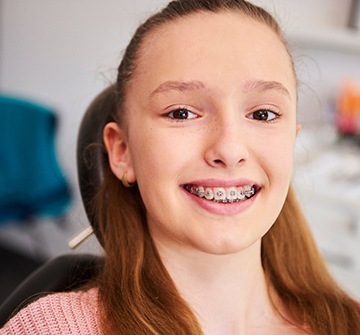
212	182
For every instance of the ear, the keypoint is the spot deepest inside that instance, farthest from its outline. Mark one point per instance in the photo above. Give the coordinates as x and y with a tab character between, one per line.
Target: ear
118	152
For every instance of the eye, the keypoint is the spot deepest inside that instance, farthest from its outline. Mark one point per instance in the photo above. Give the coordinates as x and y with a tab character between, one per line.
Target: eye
181	114
266	115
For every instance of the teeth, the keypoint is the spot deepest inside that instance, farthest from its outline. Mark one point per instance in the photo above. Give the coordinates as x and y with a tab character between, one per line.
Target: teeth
249	191
209	194
220	194
200	192
232	194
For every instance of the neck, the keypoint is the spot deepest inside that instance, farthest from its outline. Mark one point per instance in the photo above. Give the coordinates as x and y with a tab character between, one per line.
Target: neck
228	292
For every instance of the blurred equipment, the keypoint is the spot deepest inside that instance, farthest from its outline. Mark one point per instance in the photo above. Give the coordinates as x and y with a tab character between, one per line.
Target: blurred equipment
32	184
354	20
69	272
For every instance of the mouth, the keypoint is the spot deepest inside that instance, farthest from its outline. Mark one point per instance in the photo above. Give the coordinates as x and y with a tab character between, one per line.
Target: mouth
226	195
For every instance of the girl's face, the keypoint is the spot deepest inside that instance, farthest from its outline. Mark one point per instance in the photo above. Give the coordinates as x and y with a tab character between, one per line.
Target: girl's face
211	126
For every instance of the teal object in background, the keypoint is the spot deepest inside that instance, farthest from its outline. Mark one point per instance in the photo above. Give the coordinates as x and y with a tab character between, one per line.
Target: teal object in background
32	183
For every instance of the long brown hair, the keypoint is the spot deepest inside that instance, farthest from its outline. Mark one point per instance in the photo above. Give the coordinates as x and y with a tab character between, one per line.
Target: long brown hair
136	292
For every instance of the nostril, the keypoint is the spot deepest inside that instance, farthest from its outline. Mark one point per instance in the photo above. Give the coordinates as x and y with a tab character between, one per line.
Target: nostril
218	161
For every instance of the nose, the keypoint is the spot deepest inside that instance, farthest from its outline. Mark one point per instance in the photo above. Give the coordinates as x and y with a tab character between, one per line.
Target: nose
227	144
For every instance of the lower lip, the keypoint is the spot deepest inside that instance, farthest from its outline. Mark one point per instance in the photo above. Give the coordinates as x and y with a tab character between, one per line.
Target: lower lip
219	208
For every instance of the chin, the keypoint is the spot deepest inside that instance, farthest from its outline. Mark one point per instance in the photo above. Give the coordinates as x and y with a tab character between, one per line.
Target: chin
222	247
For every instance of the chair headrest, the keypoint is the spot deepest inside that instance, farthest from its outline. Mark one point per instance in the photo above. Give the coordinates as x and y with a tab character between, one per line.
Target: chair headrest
92	159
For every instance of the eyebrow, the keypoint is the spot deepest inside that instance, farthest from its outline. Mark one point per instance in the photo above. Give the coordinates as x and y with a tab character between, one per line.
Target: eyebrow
178	86
254	85
262	85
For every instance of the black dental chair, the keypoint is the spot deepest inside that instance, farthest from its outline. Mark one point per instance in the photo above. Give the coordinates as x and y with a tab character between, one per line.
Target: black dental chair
71	271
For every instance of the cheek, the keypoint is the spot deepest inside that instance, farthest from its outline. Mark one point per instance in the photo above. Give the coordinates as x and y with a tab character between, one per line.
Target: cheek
160	154
277	156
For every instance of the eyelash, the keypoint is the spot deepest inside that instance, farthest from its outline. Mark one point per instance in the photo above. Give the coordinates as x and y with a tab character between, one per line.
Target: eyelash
186	111
266	110
170	114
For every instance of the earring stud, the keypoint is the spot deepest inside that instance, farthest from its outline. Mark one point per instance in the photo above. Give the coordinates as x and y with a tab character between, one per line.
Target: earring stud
125	181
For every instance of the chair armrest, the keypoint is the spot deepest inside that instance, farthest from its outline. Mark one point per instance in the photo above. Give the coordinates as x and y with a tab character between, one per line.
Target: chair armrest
64	273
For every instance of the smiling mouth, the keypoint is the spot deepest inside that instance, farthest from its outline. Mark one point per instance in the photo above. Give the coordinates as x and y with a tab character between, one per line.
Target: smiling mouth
222	194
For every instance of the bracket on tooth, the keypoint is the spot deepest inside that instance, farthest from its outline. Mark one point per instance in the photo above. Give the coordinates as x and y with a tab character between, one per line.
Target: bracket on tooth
220	194
248	191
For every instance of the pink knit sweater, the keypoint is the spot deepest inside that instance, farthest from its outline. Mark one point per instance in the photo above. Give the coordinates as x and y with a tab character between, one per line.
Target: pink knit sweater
55	314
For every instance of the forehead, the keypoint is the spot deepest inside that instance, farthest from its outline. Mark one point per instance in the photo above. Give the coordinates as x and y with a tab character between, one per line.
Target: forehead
206	46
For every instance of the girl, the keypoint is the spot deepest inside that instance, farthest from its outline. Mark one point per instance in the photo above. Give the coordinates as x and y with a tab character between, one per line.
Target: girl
201	231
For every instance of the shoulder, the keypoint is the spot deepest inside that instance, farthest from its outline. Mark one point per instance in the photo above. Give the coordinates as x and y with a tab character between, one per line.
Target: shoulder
59	313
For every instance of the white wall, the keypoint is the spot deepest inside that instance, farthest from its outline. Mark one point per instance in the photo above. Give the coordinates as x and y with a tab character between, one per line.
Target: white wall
62	52
309	12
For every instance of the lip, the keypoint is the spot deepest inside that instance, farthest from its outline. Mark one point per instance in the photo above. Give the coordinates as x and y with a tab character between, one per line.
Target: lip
222	183
222	209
